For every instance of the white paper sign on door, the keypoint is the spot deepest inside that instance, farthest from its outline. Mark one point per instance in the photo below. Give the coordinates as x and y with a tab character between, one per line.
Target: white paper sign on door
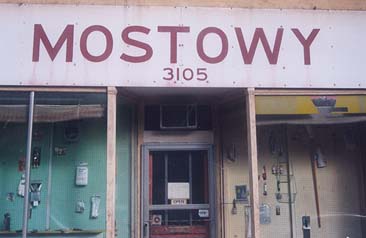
178	191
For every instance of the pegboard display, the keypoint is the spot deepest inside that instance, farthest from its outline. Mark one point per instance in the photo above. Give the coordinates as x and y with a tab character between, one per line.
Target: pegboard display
340	183
89	149
269	156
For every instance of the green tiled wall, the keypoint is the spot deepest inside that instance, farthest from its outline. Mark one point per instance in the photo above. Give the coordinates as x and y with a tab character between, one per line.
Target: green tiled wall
12	147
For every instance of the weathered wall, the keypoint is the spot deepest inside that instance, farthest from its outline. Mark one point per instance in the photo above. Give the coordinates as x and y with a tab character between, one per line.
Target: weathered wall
234	172
339	183
297	4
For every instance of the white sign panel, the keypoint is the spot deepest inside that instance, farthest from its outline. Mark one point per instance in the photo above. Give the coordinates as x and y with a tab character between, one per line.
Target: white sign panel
178	190
66	45
178	202
203	213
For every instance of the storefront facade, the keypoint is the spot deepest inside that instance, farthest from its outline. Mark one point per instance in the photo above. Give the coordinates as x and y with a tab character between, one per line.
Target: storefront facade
161	120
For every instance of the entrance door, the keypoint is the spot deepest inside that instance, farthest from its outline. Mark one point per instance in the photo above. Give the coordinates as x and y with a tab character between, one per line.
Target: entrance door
178	194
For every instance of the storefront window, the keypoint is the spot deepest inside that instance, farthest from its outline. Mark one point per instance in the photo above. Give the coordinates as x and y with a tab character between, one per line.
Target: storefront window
310	151
67	164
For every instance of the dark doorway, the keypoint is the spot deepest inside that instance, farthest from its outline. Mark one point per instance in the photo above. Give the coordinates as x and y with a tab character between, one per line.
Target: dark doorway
178	193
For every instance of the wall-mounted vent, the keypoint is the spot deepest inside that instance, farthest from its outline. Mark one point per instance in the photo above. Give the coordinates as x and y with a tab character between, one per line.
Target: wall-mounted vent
177	117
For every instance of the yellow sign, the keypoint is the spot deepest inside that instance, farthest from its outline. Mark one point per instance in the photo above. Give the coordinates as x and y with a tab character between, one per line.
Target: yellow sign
302	105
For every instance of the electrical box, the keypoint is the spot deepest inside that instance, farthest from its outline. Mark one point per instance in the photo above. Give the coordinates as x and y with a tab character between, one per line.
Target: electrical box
241	192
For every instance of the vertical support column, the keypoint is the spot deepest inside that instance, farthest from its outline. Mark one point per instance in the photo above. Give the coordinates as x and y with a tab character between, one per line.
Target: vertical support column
220	204
253	161
134	180
27	166
111	161
139	196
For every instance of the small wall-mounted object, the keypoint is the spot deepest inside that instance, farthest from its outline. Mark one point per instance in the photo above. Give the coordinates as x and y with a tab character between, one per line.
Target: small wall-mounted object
80	206
265	189
36	157
72	132
35	192
278	210
10	197
277	170
81	178
156	220
264	173
95	202
6	222
306	226
241	193
59	150
234	209
230	152
21	186
204	213
265	214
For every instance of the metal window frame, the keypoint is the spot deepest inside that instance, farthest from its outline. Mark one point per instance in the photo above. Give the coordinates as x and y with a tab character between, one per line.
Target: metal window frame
149	147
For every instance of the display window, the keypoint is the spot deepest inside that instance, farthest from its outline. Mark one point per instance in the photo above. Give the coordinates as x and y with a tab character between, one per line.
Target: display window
67	164
310	165
304	158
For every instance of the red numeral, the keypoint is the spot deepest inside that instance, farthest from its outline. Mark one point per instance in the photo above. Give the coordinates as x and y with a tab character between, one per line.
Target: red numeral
190	77
201	72
169	73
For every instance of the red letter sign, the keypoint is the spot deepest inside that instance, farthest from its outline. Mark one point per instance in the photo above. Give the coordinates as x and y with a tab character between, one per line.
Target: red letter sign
83	43
272	55
39	35
306	42
173	39
126	38
224	42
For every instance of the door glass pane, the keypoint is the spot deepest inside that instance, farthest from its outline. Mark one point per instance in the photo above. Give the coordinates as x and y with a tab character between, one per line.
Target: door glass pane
199	177
178	167
158	178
